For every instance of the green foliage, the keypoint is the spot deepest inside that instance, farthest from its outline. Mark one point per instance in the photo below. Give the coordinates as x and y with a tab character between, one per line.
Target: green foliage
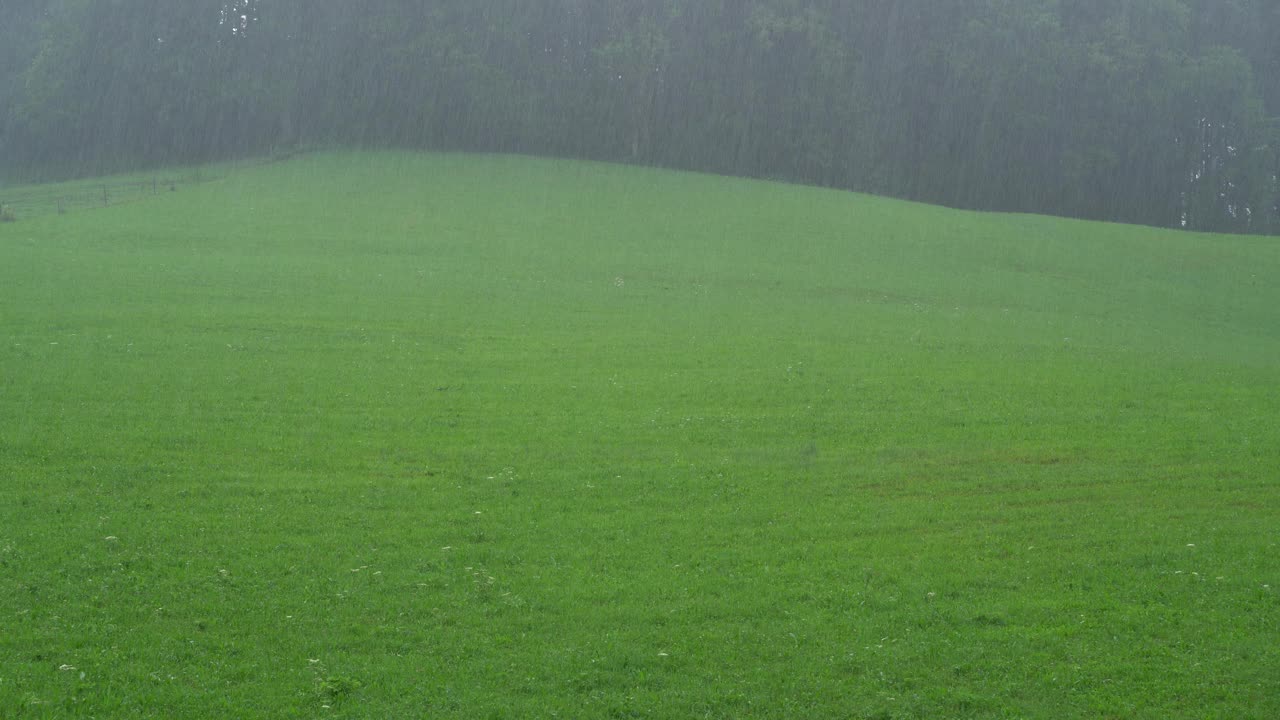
1143	111
466	436
332	689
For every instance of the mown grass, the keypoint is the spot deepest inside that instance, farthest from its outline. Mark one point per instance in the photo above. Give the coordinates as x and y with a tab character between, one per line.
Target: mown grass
381	435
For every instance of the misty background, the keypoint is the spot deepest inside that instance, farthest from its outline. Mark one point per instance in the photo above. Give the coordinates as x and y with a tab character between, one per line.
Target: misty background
1162	112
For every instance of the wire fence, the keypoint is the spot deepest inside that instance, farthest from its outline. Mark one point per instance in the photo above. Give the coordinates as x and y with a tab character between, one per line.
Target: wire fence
56	199
34	201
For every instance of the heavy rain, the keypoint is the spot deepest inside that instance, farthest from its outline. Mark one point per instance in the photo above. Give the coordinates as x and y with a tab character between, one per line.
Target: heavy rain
639	358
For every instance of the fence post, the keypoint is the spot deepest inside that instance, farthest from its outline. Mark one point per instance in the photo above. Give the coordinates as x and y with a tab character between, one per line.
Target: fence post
105	200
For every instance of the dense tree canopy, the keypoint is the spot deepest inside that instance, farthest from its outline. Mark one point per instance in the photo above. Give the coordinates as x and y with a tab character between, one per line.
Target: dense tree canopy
1153	111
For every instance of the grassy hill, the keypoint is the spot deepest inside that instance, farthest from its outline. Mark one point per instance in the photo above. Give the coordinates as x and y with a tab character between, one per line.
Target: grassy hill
450	436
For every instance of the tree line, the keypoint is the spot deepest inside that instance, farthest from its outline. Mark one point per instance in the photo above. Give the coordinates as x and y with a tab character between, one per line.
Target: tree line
1161	112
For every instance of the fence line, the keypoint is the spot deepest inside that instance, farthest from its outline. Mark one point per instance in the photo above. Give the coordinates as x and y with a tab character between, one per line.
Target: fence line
31	202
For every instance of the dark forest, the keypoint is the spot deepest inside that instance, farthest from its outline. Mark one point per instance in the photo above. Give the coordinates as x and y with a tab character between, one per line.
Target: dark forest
1160	112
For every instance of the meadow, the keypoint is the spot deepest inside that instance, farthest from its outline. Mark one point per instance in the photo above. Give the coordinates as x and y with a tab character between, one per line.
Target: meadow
378	435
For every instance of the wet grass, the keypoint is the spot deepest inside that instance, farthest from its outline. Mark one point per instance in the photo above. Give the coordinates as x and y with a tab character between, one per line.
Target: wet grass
56	198
375	435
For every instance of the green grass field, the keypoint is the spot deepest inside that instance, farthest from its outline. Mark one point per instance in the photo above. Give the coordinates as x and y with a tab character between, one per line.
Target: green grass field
449	436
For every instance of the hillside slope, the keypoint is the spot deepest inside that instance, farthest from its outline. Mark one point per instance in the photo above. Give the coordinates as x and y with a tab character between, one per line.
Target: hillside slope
380	434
